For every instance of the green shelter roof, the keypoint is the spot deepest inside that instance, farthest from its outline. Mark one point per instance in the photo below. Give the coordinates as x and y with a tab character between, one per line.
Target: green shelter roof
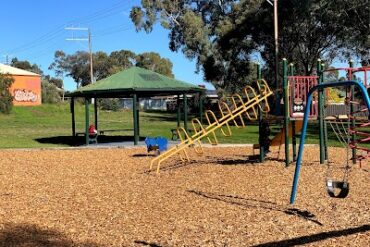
135	80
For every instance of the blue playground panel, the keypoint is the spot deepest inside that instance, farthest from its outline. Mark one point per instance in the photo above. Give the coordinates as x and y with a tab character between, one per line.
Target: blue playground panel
156	143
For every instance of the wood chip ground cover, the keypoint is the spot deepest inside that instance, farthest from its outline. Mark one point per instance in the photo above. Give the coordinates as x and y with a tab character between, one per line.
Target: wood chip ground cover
106	197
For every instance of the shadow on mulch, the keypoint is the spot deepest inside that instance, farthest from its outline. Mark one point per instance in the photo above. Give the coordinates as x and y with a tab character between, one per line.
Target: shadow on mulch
144	155
317	237
80	140
178	165
18	235
247	160
144	243
258	204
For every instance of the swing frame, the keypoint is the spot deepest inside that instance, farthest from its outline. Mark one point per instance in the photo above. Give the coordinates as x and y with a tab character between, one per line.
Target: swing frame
319	87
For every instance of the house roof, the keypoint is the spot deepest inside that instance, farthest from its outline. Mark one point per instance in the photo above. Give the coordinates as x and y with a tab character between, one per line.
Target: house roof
6	69
135	80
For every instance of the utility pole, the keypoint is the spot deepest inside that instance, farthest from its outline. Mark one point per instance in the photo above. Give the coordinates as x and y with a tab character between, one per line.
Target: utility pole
91	59
276	37
276	42
7	58
90	46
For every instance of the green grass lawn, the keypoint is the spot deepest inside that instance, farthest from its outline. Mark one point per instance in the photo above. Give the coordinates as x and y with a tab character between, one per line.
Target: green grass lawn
41	126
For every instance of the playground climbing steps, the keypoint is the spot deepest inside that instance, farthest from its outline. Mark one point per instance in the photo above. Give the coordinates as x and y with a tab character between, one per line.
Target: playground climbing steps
231	110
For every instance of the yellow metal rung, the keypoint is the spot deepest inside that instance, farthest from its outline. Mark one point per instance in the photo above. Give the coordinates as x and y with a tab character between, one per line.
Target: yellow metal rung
240	107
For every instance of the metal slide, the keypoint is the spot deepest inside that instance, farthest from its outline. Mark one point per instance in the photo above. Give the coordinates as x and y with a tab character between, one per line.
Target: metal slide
229	112
279	138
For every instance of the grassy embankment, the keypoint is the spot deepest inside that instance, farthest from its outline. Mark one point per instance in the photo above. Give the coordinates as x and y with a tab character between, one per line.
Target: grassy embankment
50	126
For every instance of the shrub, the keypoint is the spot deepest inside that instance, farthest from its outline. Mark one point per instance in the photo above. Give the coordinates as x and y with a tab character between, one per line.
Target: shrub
109	104
50	93
6	99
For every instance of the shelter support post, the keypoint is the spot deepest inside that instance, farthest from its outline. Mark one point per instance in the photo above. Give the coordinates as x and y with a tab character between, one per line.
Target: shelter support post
178	111
185	112
87	121
72	105
135	116
96	113
286	111
138	116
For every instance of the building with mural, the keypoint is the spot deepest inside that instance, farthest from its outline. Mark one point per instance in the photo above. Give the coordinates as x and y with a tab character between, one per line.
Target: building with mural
26	88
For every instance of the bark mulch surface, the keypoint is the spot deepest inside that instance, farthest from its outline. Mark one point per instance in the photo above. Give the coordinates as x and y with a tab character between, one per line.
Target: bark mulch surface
106	197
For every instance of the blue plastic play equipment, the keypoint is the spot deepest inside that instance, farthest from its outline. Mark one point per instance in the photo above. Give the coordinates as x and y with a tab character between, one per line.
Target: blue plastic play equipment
156	143
305	121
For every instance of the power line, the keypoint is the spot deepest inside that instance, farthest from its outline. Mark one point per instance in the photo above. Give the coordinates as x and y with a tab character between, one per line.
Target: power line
113	30
90	46
58	31
39	41
44	51
113	9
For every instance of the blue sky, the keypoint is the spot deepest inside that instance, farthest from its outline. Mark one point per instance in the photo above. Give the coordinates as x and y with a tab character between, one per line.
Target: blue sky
34	30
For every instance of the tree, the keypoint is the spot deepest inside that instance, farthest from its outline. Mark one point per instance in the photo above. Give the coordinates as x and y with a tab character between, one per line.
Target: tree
55	81
200	29
122	60
26	65
222	35
50	92
6	99
310	30
77	65
153	61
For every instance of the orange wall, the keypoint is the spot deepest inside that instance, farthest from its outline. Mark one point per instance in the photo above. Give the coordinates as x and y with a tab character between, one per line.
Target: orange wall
26	90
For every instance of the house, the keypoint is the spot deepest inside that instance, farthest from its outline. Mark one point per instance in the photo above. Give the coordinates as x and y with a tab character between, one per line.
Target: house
26	88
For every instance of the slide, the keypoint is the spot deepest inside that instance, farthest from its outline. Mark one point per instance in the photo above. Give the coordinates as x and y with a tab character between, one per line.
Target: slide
279	139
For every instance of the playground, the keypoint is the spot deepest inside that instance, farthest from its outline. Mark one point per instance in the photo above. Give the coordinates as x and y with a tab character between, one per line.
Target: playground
106	197
192	194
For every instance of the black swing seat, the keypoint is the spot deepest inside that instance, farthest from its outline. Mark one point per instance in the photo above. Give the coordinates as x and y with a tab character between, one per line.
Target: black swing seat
342	186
